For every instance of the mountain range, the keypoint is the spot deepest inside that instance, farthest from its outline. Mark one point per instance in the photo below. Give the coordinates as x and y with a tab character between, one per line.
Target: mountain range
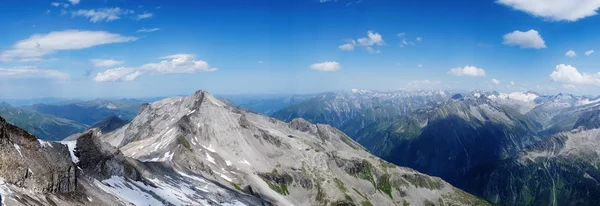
461	135
197	150
56	121
520	148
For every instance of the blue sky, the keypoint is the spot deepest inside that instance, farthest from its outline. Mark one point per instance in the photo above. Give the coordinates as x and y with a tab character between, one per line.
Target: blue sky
119	48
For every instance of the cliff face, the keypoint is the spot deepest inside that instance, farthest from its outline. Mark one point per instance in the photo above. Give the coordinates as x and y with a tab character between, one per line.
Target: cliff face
34	164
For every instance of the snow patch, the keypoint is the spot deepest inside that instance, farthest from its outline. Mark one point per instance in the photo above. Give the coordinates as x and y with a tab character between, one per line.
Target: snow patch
18	148
111	106
71	145
209	158
44	143
244	161
587	101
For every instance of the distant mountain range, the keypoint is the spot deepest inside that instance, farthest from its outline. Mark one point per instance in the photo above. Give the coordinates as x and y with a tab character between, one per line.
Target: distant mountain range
44	126
265	104
197	150
90	112
59	120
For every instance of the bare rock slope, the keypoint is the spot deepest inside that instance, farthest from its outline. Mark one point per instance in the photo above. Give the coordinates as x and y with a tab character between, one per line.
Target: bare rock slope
294	163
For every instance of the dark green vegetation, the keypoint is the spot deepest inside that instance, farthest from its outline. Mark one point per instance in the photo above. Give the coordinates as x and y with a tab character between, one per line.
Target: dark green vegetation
277	182
43	126
383	184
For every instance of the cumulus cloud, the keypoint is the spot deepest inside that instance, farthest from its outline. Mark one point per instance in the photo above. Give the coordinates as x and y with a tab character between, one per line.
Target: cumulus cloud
568	75
326	66
32	72
145	15
467	71
372	38
105	62
570	53
147	30
555	10
102	14
495	81
74	2
40	45
370	42
590	52
172	64
528	39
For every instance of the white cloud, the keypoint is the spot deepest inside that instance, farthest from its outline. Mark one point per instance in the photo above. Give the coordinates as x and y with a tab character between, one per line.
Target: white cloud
326	66
555	10
348	46
467	71
58	4
590	52
528	39
495	81
145	15
40	45
372	38
178	63
419	38
512	83
102	14
74	2
33	72
401	34
570	53
117	74
420	65
260	62
148	30
567	74
370	43
172	64
105	62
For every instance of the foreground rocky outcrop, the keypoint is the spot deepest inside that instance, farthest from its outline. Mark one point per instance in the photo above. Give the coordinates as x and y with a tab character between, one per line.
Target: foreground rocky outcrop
34	164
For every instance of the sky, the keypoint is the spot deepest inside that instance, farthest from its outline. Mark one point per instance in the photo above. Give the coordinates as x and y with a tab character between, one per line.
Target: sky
125	48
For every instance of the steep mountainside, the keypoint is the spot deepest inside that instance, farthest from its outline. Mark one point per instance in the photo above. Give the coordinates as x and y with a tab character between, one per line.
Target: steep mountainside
284	163
561	170
91	112
44	126
450	140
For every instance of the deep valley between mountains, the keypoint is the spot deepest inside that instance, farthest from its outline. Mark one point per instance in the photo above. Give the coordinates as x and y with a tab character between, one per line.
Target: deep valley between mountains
353	147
